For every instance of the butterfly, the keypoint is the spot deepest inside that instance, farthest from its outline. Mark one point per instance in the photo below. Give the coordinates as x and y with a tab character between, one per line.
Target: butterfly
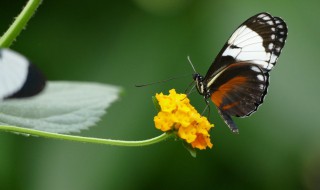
238	79
19	78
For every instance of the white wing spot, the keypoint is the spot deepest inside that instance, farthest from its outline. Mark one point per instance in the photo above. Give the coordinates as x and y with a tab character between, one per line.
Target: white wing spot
271	65
260	77
273	36
270	46
256	69
270	22
261	86
273	58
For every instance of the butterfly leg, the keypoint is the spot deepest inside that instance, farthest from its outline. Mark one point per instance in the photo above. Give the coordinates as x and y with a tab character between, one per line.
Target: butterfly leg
189	88
205	109
228	120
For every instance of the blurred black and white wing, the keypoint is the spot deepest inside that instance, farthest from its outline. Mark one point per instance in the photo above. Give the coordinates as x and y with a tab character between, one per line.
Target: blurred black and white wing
18	77
258	41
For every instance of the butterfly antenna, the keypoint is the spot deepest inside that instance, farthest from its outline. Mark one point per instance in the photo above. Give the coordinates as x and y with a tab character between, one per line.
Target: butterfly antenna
191	64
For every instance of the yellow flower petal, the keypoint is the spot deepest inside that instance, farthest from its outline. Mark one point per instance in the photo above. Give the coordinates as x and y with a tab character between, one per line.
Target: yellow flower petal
179	115
201	142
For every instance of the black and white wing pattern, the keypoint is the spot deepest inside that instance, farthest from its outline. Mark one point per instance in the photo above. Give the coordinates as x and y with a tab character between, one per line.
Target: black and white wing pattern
238	79
18	77
258	40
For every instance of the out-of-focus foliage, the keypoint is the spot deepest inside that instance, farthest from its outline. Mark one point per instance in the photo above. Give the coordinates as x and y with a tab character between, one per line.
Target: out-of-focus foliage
62	107
130	42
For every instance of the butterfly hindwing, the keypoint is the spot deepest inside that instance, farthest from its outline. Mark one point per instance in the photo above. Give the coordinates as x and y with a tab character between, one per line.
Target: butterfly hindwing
239	89
228	120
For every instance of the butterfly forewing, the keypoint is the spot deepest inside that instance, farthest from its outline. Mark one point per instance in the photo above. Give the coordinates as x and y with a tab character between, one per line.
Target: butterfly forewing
258	40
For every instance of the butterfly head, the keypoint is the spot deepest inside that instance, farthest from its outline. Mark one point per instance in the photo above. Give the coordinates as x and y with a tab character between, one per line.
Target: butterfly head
199	83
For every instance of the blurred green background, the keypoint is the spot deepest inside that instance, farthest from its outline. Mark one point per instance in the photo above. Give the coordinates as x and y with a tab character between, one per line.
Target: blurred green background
131	42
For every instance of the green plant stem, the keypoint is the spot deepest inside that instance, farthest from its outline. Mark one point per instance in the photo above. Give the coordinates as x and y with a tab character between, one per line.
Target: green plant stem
33	132
20	23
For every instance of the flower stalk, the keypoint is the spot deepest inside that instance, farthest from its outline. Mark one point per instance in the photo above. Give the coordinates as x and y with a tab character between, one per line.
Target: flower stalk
33	132
19	23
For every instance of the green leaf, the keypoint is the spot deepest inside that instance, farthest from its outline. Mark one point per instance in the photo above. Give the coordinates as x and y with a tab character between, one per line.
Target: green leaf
156	103
190	149
62	107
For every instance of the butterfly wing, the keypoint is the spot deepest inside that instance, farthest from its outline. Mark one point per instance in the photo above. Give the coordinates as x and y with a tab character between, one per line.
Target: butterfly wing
238	78
238	90
19	78
258	40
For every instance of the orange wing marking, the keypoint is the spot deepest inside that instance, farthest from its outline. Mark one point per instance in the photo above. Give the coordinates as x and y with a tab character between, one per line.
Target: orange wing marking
220	93
228	106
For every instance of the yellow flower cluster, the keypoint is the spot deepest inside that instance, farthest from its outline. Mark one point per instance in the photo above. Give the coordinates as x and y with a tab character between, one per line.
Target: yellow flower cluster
179	115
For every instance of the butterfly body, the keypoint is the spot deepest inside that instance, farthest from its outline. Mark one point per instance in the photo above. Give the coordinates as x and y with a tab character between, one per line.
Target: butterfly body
238	79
